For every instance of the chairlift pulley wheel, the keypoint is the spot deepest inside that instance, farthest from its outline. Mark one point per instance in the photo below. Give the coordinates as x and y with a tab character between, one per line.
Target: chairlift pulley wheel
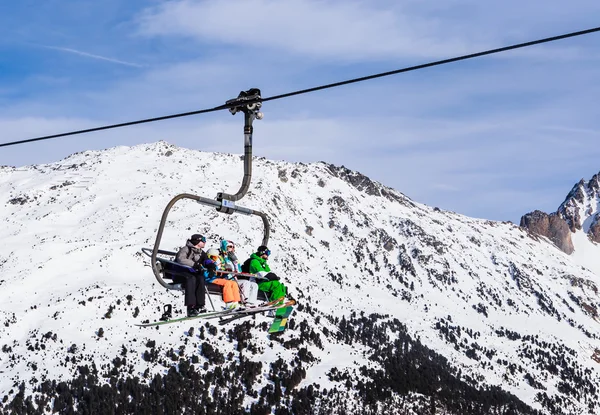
249	102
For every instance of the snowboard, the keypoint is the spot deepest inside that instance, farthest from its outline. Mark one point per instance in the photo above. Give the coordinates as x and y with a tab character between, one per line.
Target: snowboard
281	317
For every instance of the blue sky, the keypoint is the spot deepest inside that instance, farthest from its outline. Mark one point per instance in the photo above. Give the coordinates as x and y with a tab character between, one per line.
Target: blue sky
493	138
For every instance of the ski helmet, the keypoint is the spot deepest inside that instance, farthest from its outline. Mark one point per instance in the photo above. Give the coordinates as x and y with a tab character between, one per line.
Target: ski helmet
197	238
212	252
263	250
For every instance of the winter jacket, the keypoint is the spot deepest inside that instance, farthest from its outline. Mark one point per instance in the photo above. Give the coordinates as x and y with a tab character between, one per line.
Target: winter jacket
190	255
229	261
274	289
227	264
258	264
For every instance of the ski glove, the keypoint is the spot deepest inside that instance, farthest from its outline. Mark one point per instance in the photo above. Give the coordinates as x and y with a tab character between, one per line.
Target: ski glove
272	277
210	265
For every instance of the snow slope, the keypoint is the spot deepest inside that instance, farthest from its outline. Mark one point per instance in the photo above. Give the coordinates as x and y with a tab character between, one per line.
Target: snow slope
503	307
587	253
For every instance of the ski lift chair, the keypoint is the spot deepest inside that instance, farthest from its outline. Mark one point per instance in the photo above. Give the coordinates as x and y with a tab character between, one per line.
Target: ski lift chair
177	273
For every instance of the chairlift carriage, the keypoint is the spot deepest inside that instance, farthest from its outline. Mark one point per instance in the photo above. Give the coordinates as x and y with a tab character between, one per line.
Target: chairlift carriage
164	266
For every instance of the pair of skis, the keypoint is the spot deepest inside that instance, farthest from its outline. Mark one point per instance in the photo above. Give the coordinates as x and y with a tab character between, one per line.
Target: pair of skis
233	314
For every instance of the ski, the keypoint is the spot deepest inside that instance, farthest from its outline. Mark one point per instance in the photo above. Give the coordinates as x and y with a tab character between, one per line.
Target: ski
253	311
273	305
281	317
210	314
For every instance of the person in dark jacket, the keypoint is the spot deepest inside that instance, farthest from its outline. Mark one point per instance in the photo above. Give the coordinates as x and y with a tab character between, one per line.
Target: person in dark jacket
194	256
258	265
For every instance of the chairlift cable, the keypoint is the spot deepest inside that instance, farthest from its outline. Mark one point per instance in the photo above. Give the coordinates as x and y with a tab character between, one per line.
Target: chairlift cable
436	63
314	89
108	127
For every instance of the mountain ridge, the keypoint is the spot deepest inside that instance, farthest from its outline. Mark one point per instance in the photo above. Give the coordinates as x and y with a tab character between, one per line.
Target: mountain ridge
503	308
579	212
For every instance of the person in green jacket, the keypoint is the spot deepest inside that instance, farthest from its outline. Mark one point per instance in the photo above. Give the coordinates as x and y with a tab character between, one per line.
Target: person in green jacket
258	265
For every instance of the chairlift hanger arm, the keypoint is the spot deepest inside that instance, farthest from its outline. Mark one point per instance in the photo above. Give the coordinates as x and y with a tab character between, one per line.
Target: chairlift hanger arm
248	102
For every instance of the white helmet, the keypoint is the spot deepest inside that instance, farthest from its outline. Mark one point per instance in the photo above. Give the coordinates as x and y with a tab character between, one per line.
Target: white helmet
212	252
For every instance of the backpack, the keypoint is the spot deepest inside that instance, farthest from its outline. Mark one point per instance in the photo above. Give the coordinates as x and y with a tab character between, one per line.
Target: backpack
246	266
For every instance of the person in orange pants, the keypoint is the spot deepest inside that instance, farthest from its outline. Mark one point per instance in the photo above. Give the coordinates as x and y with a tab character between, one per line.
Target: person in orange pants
231	290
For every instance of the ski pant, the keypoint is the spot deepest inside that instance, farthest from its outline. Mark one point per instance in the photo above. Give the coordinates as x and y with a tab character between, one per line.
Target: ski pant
274	289
249	290
231	291
194	291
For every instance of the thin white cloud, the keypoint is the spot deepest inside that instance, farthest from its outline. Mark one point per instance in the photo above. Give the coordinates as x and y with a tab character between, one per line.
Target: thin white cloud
327	29
353	30
91	55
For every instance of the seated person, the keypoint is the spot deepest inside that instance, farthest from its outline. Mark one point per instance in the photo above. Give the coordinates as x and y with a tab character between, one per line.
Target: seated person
257	264
229	262
192	255
231	291
229	259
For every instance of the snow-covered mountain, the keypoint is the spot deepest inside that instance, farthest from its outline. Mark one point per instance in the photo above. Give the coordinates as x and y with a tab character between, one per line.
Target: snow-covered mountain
575	226
403	308
581	208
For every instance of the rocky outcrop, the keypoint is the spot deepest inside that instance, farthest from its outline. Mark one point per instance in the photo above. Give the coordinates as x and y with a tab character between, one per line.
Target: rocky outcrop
358	180
570	209
582	201
551	226
579	211
594	232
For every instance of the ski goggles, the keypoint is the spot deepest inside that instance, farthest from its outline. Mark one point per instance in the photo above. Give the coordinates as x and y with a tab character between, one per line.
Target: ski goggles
267	252
198	238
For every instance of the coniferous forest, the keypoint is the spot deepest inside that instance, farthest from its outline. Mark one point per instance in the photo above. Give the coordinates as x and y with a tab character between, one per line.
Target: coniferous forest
411	379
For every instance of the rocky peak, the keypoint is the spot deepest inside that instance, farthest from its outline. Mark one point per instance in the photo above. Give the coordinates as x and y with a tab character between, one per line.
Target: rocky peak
579	211
581	207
